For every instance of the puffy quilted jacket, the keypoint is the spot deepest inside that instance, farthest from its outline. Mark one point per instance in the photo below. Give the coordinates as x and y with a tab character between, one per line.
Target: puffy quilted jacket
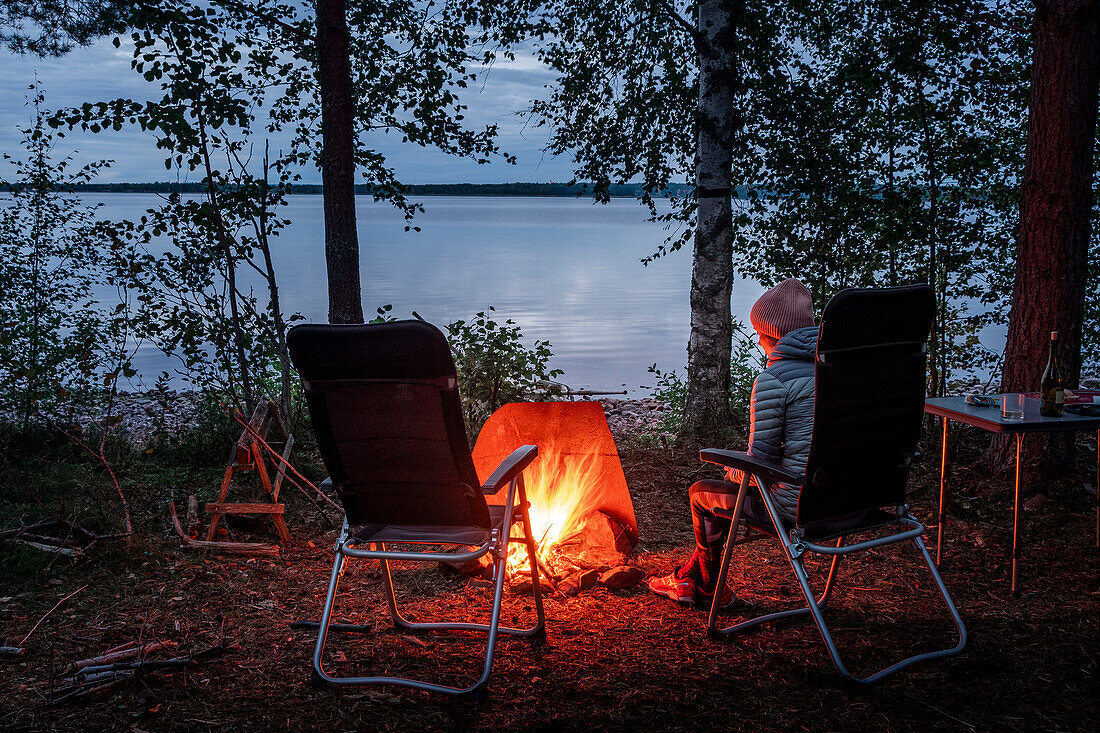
782	412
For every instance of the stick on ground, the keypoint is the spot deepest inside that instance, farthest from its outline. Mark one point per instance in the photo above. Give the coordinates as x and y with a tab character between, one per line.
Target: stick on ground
24	639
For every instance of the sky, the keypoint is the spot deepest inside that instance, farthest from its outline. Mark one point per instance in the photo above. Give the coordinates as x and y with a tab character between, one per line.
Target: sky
102	72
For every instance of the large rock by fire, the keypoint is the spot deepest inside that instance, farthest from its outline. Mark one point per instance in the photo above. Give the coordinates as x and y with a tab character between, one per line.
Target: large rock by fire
577	473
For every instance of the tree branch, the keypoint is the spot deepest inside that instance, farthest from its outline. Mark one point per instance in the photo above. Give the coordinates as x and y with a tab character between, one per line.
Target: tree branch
267	18
685	25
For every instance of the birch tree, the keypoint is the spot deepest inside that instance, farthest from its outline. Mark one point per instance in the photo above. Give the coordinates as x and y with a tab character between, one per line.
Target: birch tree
653	90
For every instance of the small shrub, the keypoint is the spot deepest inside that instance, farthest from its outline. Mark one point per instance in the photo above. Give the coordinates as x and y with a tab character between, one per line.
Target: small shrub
746	362
494	367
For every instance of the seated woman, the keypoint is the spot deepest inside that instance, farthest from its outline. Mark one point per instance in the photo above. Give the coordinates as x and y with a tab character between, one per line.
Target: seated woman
781	423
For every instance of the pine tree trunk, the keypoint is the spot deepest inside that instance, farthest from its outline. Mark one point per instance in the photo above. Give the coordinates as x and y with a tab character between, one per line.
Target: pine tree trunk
338	163
1055	206
707	415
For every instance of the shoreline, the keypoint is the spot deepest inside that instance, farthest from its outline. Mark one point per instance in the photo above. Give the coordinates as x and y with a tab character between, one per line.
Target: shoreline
145	413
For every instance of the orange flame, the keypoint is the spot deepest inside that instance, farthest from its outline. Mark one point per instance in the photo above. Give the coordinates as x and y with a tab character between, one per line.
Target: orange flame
561	492
576	473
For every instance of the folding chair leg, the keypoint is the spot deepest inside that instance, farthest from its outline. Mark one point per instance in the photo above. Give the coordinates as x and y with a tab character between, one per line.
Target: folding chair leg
499	570
882	674
821	602
500	562
476	691
319	676
539	629
735	524
723	571
814	606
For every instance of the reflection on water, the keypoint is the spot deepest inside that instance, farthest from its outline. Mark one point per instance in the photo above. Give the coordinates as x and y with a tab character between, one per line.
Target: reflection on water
564	269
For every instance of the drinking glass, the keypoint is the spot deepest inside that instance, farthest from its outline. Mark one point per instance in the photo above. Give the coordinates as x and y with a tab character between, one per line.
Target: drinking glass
1012	407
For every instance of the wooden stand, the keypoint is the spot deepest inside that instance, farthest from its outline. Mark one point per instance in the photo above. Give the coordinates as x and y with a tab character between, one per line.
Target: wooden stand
248	455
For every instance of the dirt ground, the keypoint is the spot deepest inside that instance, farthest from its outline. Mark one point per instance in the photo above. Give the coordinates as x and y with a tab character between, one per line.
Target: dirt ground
612	659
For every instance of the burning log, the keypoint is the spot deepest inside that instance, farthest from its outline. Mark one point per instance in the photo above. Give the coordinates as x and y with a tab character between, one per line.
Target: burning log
599	541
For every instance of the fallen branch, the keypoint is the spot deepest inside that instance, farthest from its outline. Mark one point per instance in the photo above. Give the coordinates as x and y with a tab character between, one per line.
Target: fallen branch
24	639
252	549
12	651
48	523
120	655
95	679
75	541
55	549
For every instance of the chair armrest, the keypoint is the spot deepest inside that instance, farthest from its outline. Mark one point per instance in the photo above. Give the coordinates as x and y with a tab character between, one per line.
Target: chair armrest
509	468
749	464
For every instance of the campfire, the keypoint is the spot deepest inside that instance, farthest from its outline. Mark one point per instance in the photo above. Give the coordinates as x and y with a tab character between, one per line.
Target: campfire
581	512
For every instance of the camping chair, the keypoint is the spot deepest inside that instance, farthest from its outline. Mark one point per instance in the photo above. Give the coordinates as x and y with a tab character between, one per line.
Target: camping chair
385	408
868	409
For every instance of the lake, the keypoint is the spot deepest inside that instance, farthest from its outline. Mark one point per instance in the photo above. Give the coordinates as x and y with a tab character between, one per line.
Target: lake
566	270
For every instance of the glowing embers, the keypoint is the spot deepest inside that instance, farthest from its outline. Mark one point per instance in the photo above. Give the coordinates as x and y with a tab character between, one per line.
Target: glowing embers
581	511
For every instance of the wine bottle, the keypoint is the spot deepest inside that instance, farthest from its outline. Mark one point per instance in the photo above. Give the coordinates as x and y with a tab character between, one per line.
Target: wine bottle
1052	385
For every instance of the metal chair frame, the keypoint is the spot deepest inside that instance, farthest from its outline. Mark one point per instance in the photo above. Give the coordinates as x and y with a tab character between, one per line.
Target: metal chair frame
796	547
495	546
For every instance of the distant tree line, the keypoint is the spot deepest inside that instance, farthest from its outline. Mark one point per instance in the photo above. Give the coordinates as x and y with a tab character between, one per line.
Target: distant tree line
412	189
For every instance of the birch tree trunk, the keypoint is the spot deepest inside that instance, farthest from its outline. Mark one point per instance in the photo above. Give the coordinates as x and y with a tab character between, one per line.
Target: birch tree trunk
1056	202
707	414
338	163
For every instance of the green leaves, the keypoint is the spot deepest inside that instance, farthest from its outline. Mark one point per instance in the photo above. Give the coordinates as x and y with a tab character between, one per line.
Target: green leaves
55	340
494	367
879	142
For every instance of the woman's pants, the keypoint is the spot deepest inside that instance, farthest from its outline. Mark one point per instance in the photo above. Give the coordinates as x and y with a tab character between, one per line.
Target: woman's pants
712	529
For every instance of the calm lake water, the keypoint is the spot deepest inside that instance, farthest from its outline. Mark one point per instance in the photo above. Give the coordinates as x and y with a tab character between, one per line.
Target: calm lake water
566	270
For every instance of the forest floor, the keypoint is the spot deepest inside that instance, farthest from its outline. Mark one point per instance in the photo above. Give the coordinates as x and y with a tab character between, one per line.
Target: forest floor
611	659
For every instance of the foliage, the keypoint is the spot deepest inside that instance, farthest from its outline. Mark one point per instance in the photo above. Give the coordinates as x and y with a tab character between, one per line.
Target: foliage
746	363
53	27
409	63
382	314
52	331
670	391
229	340
229	73
1090	326
881	142
494	367
62	353
897	142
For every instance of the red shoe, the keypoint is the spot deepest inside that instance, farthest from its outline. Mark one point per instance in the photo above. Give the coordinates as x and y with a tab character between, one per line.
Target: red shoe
681	590
726	599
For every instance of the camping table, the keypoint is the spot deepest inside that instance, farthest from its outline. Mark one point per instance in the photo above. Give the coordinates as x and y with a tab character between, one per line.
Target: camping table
989	418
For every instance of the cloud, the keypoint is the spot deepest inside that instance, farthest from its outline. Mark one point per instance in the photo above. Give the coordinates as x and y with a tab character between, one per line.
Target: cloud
102	72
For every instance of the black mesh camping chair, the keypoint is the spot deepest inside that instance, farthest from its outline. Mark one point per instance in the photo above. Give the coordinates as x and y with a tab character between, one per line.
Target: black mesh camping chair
868	409
385	407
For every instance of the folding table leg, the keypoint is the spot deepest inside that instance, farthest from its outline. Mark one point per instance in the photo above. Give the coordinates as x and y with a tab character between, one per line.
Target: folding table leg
943	496
1017	550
